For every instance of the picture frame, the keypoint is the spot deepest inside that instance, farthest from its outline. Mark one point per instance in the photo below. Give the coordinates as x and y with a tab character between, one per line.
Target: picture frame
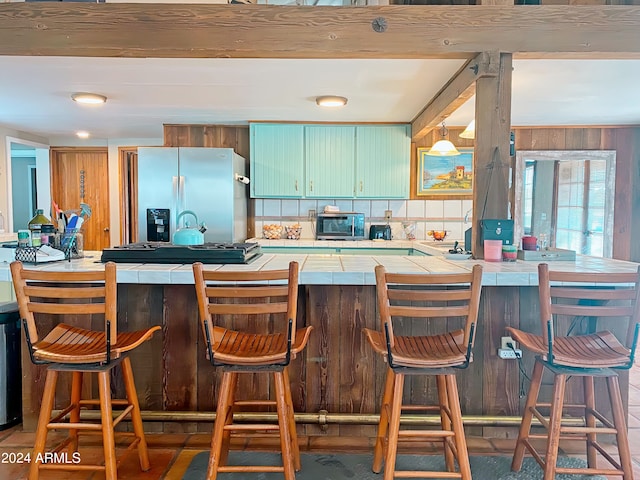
445	175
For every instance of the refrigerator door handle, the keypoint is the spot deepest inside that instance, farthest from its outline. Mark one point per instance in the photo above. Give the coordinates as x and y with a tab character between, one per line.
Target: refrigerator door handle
175	206
181	200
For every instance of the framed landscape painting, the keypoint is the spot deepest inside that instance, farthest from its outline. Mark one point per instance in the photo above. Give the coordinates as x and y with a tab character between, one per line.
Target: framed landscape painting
444	175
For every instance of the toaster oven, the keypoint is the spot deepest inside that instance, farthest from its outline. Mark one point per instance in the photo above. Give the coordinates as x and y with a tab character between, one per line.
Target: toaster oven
340	226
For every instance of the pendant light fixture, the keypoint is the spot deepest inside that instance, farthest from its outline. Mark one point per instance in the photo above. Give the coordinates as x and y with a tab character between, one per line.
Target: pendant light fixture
443	148
470	131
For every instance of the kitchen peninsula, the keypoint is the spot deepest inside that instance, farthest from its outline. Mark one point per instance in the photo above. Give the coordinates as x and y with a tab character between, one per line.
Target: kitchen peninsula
338	372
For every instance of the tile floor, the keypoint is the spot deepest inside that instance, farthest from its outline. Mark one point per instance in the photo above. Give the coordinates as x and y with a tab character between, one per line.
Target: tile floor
170	454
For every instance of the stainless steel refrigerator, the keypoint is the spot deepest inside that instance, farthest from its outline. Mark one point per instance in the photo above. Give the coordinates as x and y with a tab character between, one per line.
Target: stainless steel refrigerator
206	181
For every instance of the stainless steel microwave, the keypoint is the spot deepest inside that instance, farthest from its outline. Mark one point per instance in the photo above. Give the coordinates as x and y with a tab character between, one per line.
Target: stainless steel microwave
340	226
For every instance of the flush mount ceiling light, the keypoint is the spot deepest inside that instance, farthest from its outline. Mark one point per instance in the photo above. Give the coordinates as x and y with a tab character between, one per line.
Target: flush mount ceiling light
88	98
331	101
82	134
470	131
443	148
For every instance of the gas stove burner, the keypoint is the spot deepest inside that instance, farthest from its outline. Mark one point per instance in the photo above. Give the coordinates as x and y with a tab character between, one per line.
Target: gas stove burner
163	252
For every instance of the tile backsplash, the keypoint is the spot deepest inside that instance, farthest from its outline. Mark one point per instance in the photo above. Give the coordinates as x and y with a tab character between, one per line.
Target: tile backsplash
454	216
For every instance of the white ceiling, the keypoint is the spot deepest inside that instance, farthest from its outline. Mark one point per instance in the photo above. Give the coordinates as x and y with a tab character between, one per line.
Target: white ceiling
144	94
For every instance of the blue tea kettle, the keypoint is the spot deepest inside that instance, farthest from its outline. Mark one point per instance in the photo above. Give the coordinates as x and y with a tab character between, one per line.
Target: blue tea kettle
189	235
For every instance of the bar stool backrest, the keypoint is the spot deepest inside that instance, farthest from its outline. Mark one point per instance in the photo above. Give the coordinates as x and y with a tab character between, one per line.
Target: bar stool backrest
48	293
429	295
270	295
611	297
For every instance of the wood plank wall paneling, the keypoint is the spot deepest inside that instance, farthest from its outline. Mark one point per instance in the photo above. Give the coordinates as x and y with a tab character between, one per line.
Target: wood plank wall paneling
500	388
322	348
222	136
180	335
141	306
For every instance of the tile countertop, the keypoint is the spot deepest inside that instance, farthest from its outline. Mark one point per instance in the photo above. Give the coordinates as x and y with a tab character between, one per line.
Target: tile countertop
328	269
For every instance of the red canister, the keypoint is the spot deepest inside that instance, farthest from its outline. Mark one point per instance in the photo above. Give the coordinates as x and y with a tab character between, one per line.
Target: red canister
529	243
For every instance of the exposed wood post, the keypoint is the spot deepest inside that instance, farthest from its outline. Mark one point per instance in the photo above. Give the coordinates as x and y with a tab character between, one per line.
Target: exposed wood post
491	152
460	88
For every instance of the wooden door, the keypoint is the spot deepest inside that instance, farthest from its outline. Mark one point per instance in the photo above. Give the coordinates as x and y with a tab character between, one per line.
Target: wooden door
80	175
128	180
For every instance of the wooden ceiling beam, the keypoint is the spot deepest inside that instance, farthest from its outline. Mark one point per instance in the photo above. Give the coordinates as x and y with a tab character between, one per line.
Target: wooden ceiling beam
268	31
460	88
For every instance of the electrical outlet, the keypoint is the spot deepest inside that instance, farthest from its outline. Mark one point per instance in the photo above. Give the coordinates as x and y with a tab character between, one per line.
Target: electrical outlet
388	214
508	354
312	213
505	341
508	349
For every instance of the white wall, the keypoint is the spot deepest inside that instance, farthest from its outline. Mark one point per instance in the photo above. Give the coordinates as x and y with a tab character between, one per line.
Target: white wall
5	159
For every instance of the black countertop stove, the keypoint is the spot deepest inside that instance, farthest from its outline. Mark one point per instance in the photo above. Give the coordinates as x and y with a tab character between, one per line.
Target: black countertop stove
162	252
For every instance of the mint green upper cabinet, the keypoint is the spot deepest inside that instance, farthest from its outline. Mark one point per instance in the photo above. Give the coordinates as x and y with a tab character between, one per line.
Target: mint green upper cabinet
330	161
277	160
383	161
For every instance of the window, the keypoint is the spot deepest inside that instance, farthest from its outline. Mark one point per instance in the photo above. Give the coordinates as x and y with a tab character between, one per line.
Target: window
527	200
566	196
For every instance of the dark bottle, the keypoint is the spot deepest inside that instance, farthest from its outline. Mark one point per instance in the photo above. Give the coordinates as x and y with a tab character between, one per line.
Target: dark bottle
35	225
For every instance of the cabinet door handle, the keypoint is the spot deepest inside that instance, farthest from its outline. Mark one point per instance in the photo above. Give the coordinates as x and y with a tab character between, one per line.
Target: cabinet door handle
360	185
311	186
296	185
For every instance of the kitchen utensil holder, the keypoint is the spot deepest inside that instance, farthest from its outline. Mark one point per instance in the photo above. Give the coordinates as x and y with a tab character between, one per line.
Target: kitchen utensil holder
71	242
409	229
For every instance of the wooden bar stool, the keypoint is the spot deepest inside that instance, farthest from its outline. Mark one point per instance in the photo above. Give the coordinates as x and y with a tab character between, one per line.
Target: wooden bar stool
425	297
43	296
267	299
584	299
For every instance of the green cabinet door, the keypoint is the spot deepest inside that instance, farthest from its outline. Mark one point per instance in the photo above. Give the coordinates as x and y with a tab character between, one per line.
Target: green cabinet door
277	160
383	161
329	161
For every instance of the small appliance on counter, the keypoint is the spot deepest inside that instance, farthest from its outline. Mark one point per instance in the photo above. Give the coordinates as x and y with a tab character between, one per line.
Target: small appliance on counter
340	226
497	229
380	232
